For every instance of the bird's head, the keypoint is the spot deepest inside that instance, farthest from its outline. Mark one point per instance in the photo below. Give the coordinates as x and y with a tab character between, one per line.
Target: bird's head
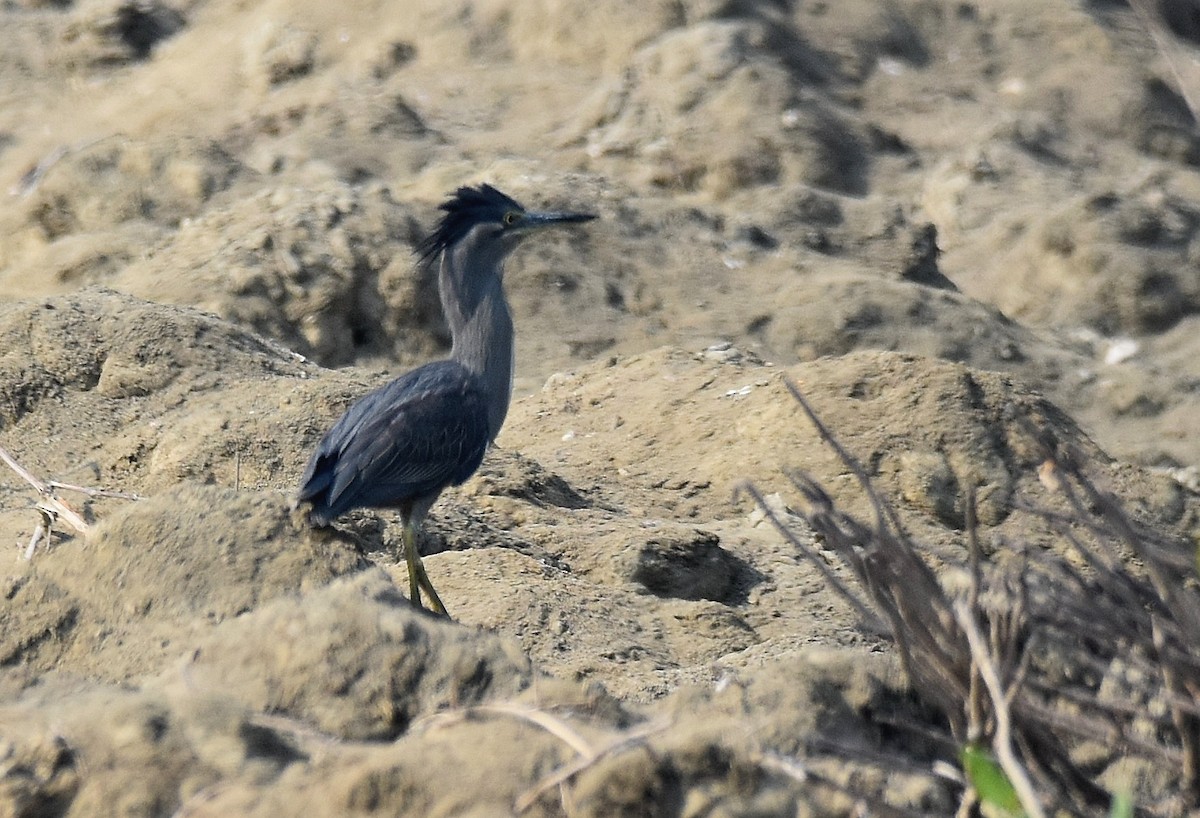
487	225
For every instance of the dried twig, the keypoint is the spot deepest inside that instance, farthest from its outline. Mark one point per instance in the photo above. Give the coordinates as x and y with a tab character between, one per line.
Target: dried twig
797	771
56	506
1178	61
986	670
884	513
43	531
620	744
544	719
1001	699
1185	723
30	180
51	507
864	612
91	492
555	726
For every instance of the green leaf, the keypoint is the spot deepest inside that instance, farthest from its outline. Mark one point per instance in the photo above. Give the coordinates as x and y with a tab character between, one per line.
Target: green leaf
989	781
1122	806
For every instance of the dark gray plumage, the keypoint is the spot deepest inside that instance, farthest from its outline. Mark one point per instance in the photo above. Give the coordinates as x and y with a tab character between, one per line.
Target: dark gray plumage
401	445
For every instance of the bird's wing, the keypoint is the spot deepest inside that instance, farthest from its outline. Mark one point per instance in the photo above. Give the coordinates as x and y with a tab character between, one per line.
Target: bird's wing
419	433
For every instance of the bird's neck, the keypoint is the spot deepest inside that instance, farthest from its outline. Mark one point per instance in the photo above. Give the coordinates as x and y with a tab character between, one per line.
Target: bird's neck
482	333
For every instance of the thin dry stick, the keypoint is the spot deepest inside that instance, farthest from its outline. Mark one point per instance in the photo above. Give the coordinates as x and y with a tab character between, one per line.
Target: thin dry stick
1122	531
631	739
553	725
44	531
1002	740
794	769
975	711
884	759
884	513
1185	725
539	718
90	492
867	616
1108	733
59	508
200	802
969	806
1177	60
33	177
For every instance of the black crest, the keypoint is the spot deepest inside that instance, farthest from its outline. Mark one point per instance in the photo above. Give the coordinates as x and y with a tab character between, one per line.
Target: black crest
466	208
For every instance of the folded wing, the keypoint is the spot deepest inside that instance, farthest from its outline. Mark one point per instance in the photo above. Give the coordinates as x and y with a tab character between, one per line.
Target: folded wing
406	440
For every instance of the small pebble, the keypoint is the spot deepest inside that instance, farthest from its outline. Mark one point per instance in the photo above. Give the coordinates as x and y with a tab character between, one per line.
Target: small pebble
725	353
1121	350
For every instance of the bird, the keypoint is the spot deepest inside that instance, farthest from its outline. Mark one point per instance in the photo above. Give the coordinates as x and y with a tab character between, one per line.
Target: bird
399	446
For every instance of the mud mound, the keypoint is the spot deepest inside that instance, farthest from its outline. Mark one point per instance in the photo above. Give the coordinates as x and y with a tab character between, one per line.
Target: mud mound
738	78
354	660
327	271
870	313
120	180
159	568
197	727
92	380
924	429
1117	262
123	348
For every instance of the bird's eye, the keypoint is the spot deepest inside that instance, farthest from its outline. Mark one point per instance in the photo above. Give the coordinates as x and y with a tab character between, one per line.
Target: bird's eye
511	217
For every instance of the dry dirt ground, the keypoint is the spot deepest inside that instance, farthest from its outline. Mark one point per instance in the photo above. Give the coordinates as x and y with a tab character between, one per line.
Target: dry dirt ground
939	218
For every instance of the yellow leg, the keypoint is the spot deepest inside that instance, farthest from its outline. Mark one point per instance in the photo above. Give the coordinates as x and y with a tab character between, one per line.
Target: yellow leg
418	580
411	557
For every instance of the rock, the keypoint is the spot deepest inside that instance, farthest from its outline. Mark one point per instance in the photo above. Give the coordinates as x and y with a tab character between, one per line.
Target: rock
688	567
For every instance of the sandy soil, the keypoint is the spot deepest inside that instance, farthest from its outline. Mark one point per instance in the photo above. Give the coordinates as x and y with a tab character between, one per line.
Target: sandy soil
940	219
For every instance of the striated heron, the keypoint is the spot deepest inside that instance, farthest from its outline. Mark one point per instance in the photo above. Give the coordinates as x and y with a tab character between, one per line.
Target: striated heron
402	444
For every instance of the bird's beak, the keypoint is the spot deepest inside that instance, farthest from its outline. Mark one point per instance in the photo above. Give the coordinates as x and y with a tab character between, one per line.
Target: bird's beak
535	219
